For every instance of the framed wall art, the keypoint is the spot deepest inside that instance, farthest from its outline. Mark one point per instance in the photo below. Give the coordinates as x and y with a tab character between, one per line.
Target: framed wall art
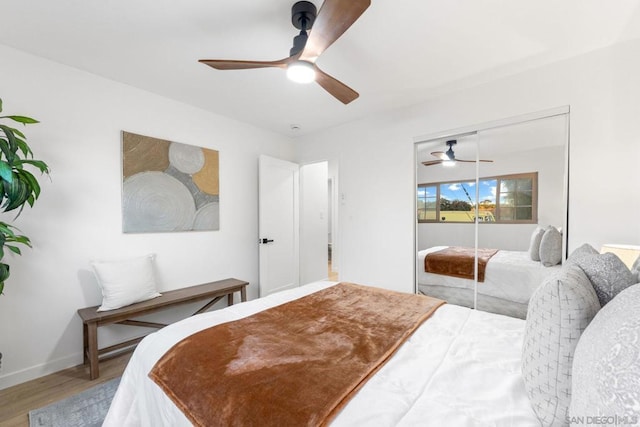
168	186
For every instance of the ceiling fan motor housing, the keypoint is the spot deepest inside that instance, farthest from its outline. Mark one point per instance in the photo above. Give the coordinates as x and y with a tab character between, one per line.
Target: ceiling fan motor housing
449	152
303	13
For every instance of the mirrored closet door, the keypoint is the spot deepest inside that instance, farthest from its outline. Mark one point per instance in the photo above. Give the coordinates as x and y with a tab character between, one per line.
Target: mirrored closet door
482	194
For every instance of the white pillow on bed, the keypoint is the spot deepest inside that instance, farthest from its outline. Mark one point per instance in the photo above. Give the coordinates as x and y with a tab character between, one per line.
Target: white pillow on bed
534	244
551	247
125	281
559	310
606	366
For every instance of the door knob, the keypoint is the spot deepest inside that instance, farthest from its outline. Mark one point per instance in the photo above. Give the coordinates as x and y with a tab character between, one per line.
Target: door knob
265	241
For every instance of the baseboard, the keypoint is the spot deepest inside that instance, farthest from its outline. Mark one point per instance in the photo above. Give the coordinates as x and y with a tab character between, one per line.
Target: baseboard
31	373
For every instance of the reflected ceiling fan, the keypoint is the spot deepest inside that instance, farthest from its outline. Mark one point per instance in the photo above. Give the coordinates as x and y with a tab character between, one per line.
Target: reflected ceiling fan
324	28
448	158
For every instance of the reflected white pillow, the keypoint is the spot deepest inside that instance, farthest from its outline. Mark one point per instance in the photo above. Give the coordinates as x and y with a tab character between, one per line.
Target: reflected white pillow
125	281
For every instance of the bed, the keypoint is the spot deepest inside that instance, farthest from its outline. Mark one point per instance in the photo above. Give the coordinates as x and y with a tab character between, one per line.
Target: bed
510	279
460	367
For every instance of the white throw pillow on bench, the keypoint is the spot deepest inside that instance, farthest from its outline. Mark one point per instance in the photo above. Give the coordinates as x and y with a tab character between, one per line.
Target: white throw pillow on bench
125	281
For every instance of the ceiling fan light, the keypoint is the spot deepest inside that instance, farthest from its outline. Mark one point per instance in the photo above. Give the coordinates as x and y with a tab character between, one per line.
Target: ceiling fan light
448	163
301	72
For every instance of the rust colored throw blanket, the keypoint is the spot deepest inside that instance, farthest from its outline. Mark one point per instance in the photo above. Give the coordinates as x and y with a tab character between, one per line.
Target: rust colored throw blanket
458	261
296	364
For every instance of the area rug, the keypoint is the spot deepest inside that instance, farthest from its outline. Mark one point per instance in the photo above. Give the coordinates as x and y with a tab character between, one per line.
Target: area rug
86	409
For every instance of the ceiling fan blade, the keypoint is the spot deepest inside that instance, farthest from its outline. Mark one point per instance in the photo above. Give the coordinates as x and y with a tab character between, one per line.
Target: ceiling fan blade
224	64
333	19
432	162
440	154
473	161
335	87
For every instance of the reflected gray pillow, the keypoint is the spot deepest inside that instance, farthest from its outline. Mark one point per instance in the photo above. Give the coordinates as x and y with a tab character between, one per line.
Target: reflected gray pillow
559	310
551	247
608	274
606	366
534	244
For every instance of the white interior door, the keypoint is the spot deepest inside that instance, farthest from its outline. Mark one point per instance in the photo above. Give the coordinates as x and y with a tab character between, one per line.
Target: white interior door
278	189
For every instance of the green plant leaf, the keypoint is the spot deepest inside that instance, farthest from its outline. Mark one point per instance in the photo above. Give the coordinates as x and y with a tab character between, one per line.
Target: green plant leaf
6	149
11	138
24	148
5	171
4	273
21	119
17	132
0	104
16	193
14	249
44	168
31	181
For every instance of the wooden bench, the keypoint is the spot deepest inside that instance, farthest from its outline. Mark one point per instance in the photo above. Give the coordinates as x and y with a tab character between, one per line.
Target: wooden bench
92	319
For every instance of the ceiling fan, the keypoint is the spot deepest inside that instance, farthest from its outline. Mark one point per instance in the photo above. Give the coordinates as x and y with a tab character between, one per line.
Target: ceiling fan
324	27
448	158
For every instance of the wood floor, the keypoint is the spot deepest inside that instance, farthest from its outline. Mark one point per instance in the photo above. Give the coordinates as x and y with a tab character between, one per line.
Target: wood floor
333	275
17	401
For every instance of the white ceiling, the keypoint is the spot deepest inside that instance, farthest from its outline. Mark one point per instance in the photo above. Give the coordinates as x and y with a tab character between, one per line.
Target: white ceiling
398	53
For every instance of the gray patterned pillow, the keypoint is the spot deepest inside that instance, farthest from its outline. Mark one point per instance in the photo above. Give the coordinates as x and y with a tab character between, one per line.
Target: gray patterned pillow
608	274
582	251
551	247
559	310
606	367
635	269
534	244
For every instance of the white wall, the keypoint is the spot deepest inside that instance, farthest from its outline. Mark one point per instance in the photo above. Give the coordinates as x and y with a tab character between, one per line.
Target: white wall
376	158
78	216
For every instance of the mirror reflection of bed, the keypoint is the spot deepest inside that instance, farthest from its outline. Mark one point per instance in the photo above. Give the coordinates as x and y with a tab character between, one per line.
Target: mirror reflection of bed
522	188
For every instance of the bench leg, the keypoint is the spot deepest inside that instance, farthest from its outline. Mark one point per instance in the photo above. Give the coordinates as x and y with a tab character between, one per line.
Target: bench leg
92	341
85	344
230	299
243	294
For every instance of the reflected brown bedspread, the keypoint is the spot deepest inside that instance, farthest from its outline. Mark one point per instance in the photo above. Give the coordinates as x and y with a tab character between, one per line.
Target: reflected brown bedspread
296	364
457	261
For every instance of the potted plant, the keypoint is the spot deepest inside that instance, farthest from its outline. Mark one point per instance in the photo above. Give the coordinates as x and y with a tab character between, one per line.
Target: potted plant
18	186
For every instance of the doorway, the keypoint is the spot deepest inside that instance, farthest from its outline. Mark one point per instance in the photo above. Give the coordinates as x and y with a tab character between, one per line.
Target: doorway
294	217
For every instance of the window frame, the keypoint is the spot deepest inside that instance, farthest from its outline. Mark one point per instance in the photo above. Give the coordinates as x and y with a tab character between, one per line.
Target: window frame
526	175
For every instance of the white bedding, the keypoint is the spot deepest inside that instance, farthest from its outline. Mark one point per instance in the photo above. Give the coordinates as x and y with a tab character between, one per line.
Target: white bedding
509	275
460	368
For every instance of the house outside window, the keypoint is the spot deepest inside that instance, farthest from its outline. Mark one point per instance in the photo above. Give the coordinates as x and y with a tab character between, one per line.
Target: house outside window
504	199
